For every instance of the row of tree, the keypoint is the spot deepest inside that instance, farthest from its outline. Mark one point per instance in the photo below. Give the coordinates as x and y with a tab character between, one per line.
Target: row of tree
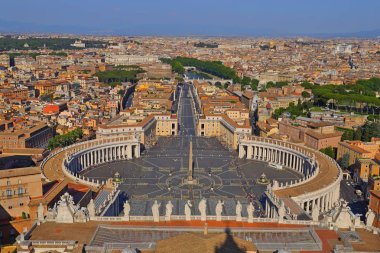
118	75
294	110
363	91
7	43
363	133
206	45
215	68
65	139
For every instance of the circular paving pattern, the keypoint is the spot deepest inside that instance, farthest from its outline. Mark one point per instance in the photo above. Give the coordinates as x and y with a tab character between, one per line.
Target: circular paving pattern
160	173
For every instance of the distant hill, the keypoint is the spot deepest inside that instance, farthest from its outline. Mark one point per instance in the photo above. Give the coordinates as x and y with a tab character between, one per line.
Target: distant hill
169	30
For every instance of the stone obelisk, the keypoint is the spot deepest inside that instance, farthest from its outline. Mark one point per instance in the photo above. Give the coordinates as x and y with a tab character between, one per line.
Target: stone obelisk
190	176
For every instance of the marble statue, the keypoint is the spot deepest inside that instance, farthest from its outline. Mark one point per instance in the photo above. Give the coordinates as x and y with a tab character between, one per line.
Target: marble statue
281	212
22	236
275	185
202	209
219	210
315	213
127	210
370	217
250	211
343	217
188	206
66	209
52	213
238	211
67	212
156	211
81	215
40	213
91	208
169	210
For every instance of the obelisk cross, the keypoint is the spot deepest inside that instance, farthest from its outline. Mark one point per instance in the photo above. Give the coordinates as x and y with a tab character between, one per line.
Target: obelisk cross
190	176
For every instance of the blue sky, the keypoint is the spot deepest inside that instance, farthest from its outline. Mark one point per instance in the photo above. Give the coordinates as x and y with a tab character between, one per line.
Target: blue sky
196	17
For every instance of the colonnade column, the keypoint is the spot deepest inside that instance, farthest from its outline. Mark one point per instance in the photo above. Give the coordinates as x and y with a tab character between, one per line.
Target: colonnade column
137	151
249	151
241	151
129	152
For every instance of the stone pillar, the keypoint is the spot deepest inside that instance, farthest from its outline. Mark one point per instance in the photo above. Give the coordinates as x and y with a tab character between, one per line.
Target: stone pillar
329	201
275	155
82	161
129	151
137	150
298	164
323	203
249	151
282	158
122	152
241	151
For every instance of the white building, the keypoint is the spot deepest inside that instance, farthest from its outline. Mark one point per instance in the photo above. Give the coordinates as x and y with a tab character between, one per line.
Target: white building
123	59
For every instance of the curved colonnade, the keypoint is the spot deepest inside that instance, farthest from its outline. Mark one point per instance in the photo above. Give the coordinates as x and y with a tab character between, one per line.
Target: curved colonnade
319	188
81	156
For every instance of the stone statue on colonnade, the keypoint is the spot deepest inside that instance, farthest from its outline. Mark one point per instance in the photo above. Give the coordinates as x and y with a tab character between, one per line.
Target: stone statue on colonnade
238	210
188	206
156	211
250	211
127	209
219	210
169	210
202	209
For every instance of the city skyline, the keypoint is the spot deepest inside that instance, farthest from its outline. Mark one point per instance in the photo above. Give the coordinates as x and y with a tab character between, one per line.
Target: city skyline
194	18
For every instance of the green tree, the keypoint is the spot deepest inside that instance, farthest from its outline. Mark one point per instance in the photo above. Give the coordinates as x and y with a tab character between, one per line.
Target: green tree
370	129
329	151
219	85
348	134
357	134
344	162
305	94
65	139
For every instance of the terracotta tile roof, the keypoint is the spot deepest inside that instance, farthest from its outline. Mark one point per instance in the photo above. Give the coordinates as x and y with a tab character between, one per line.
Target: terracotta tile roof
20	172
320	136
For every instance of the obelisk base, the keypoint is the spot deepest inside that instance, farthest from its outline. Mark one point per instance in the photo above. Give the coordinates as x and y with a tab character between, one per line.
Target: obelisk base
190	182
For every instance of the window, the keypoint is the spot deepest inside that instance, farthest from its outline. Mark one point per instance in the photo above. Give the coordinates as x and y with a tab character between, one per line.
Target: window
20	191
9	192
19	181
8	182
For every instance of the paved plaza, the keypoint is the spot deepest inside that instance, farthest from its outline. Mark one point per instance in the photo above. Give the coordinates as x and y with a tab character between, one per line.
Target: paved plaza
160	172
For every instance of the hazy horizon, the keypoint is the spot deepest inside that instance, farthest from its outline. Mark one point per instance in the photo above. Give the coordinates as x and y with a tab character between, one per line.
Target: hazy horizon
223	18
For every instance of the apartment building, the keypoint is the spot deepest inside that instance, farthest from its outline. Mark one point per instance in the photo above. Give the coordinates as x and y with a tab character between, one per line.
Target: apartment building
14	93
222	115
124	59
17	187
374	205
363	158
313	133
4	60
27	135
358	149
